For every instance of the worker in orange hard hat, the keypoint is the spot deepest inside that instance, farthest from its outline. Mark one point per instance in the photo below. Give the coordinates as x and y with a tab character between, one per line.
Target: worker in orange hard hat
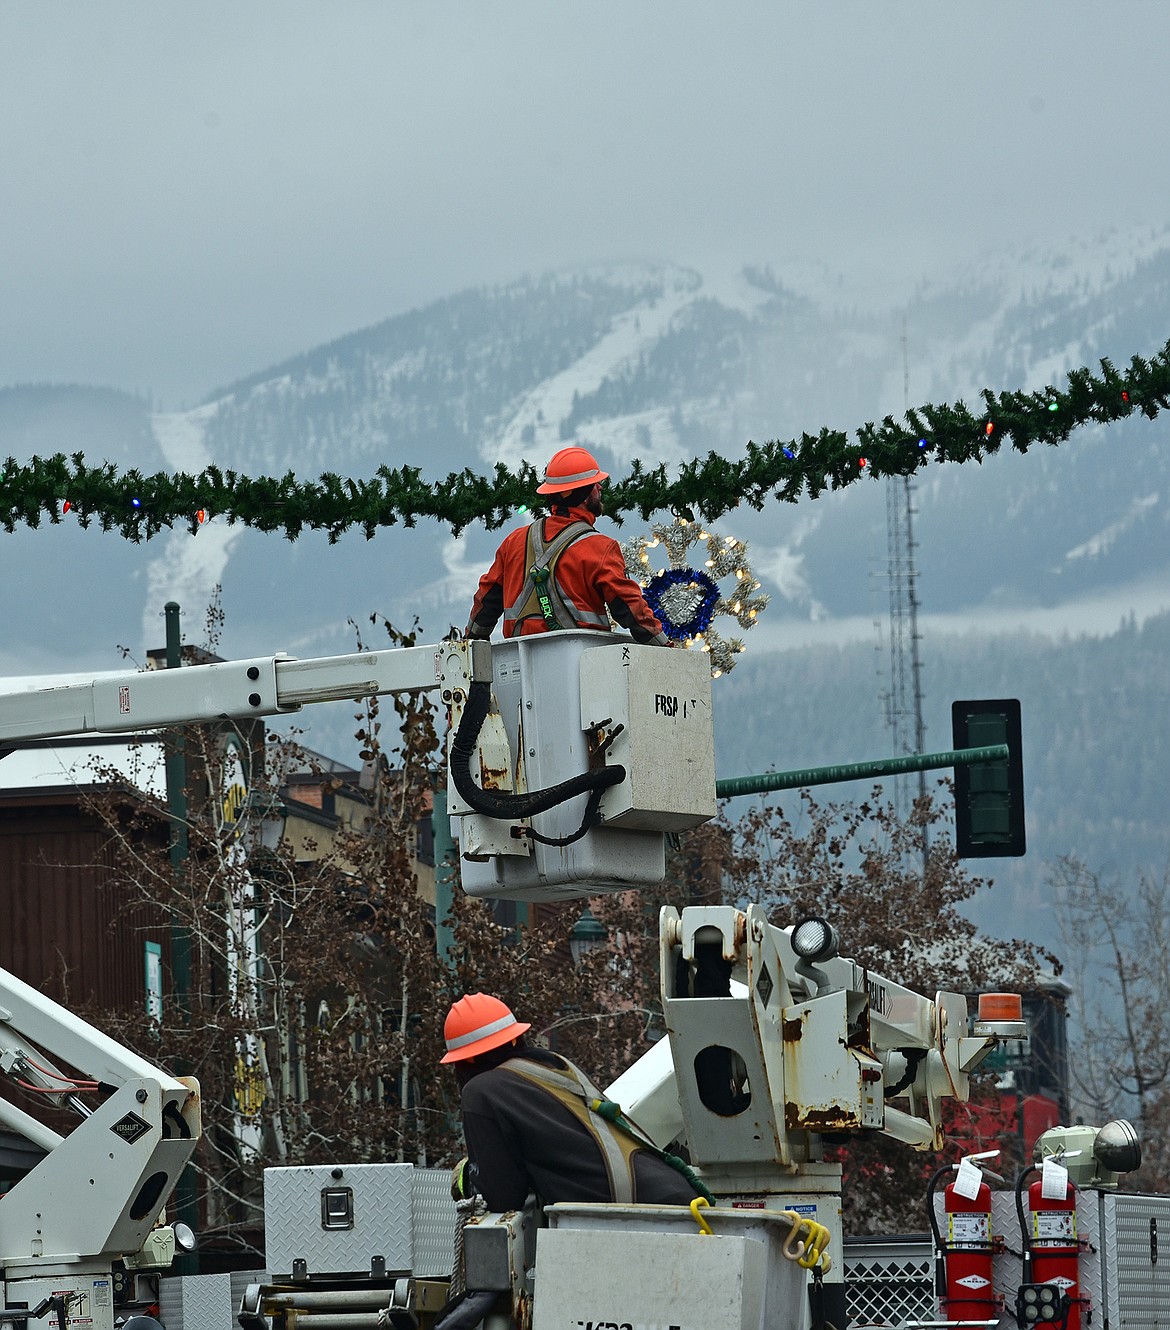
559	572
535	1123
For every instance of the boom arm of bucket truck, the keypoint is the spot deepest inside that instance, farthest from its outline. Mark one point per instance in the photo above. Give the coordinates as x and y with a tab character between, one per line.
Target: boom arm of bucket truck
776	1039
572	753
99	1189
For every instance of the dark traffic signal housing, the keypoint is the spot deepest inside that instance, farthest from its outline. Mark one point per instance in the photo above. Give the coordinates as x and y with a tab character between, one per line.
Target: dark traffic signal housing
989	796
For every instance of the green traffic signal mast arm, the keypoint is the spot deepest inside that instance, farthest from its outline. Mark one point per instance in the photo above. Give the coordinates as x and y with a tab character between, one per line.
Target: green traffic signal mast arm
732	786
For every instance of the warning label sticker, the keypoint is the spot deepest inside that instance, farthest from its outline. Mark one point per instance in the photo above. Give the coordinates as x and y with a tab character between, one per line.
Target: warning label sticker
969	1228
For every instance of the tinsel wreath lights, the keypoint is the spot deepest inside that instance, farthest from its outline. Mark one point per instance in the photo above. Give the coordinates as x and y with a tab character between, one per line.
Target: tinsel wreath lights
141	506
686	594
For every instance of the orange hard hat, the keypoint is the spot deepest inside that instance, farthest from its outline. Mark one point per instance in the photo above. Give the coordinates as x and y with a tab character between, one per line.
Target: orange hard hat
478	1023
570	469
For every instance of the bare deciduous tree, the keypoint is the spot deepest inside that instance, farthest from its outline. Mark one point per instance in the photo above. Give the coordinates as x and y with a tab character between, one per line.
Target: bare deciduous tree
1117	943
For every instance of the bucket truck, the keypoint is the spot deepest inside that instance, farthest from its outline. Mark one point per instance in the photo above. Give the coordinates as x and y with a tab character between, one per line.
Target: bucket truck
571	755
562	791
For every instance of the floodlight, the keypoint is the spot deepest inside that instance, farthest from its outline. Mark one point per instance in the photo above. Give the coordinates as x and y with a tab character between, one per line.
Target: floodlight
815	939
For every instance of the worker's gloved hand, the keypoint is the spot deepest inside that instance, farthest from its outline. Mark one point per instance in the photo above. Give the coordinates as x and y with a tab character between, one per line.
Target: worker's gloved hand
461	1187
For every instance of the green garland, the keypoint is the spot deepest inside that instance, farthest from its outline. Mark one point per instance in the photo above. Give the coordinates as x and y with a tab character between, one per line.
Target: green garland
141	506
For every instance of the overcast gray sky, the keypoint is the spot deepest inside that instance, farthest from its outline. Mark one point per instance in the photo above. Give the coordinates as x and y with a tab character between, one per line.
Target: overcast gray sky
192	191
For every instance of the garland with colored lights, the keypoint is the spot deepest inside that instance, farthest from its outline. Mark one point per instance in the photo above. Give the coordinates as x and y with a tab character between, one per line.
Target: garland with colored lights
141	506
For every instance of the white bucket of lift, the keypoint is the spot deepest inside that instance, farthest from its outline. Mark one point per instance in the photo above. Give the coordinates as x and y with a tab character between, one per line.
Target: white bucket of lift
550	687
650	1265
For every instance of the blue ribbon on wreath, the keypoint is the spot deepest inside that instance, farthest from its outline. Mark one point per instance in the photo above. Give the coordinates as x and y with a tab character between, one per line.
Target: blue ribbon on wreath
662	583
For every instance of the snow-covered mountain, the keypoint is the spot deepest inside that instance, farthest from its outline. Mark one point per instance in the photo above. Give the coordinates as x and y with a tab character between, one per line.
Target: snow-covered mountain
657	363
660	364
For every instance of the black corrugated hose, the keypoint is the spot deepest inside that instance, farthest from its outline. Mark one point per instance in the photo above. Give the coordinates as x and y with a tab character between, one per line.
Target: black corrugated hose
507	807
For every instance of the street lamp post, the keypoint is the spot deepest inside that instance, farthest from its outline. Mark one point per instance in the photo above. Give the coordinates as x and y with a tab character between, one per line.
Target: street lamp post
587	935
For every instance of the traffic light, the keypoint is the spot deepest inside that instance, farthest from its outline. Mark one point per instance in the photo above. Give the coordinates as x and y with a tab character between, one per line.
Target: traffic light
989	796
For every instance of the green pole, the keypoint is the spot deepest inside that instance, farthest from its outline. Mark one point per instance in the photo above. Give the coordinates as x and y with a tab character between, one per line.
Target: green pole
176	767
185	1194
886	766
447	875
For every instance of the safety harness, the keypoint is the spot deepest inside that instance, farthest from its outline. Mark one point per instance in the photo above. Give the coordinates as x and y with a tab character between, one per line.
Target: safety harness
540	597
617	1137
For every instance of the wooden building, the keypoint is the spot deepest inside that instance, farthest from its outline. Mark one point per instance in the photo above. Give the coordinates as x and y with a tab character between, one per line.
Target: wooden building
60	928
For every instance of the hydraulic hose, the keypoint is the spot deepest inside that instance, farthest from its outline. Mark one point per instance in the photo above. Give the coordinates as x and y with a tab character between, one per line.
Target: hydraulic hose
1025	1236
508	807
913	1058
940	1248
173	1118
468	1312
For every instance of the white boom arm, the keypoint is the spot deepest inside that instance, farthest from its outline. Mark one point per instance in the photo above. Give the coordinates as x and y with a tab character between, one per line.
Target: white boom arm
100	1189
228	690
825	1046
559	742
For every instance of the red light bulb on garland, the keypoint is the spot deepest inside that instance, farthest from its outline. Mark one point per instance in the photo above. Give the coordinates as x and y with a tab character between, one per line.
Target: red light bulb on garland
201	516
66	506
861	463
989	428
1125	397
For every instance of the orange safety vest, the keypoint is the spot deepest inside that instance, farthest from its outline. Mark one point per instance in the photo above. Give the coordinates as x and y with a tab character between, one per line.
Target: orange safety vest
540	596
589	579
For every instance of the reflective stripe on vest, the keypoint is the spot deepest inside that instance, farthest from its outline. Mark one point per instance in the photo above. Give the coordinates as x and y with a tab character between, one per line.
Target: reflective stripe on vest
617	1148
539	555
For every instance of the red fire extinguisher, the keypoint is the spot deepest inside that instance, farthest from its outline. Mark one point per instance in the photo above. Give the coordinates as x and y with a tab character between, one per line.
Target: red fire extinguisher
1053	1245
963	1279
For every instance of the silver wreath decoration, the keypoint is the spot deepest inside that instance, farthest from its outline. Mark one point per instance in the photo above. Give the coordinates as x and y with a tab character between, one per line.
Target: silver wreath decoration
725	557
